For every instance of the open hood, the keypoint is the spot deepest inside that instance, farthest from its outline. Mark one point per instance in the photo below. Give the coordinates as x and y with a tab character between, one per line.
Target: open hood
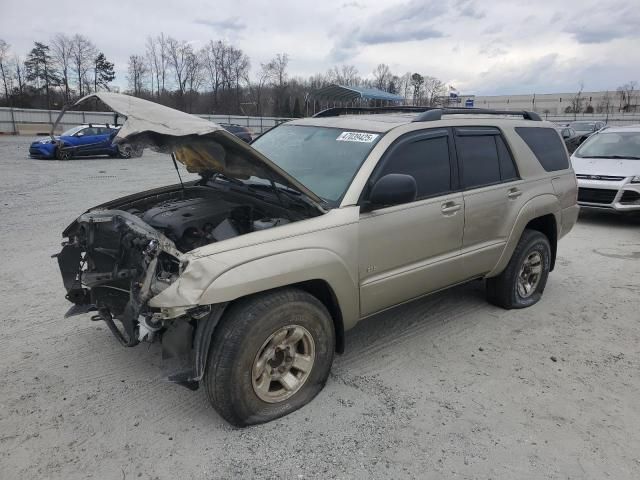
200	145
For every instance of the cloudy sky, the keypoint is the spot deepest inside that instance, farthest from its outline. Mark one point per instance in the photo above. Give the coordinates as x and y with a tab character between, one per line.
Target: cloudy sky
497	47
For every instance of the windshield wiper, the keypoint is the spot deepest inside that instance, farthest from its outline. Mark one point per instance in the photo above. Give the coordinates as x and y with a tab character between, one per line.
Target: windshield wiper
221	176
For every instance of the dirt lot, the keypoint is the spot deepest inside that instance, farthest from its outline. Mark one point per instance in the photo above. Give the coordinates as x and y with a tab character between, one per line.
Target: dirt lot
446	387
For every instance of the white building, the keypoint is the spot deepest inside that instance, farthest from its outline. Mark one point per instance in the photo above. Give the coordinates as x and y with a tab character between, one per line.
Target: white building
552	103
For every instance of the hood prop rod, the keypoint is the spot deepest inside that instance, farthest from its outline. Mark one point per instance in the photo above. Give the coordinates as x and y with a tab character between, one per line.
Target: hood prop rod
175	164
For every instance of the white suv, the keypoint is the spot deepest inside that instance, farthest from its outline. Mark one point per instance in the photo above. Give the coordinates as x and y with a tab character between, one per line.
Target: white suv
607	167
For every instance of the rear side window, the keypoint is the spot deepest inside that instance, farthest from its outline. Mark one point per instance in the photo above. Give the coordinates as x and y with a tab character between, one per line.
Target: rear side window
484	157
546	145
426	160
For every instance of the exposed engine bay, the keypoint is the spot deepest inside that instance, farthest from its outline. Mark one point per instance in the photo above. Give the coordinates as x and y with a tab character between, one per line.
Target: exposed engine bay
121	254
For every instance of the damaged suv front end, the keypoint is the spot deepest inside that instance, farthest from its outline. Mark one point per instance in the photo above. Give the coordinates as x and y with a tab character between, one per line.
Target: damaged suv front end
130	260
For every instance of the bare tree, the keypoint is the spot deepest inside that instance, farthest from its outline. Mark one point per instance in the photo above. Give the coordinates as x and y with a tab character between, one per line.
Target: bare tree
277	74
158	58
136	72
213	60
4	67
434	91
256	88
83	54
404	86
625	93
605	105
19	75
382	76
61	49
577	102
179	53
343	75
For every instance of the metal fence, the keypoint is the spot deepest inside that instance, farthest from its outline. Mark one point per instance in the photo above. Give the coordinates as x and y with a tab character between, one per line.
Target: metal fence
617	119
30	121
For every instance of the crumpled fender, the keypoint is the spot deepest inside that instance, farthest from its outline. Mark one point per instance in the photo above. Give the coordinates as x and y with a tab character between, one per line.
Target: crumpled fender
208	280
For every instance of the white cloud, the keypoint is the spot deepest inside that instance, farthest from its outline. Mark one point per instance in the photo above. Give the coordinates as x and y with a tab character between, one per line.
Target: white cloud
505	46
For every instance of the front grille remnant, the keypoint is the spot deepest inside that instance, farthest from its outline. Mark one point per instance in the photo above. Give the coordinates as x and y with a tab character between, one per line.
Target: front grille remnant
596	195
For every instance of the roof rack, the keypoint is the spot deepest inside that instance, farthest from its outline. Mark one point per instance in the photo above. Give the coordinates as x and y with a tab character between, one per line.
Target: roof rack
337	111
436	113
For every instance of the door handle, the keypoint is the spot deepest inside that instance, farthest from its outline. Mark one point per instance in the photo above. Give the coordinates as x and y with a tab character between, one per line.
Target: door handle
514	193
450	208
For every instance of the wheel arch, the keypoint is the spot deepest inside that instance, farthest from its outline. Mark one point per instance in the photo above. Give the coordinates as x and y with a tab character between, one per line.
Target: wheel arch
541	213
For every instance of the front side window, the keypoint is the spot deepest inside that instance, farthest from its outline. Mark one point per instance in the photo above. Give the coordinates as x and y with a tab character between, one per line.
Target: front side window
426	160
480	163
72	131
323	159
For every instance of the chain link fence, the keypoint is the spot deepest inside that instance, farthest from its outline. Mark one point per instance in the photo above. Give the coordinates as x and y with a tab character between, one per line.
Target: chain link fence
24	121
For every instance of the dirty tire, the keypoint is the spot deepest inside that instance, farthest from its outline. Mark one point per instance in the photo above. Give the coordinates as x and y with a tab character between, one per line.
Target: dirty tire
62	154
503	290
241	335
125	151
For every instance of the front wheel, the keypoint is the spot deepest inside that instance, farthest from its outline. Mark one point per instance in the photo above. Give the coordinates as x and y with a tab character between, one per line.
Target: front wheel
63	154
521	284
270	355
125	151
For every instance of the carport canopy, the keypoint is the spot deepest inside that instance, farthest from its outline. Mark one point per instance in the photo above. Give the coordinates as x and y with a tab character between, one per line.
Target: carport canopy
342	93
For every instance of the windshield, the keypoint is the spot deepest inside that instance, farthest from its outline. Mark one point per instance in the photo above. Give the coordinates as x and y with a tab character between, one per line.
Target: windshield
323	159
583	126
72	131
611	145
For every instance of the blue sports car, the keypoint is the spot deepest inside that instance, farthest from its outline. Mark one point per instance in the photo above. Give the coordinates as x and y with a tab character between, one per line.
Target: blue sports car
83	140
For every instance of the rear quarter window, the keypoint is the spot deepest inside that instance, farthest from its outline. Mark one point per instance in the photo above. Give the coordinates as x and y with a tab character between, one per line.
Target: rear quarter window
546	145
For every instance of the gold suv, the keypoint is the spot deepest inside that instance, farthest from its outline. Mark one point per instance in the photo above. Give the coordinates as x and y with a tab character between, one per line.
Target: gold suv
250	275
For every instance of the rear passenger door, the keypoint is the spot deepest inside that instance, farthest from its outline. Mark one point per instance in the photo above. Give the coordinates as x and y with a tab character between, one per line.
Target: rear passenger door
492	194
405	249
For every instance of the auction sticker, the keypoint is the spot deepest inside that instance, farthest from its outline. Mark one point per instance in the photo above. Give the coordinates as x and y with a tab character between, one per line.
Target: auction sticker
357	137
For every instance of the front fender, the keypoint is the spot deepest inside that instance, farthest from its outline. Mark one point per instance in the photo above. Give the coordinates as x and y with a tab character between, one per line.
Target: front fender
284	269
208	281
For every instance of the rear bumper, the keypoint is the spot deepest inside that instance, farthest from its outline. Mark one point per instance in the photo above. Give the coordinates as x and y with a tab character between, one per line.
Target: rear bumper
568	218
621	196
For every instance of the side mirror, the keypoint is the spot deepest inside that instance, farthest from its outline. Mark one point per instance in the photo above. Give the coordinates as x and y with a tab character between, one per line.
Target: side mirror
393	189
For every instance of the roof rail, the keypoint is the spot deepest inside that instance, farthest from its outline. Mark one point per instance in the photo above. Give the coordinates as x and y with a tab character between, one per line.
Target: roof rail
337	111
436	113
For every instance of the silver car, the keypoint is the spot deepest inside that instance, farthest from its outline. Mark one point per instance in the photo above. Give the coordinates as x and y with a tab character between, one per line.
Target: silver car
607	168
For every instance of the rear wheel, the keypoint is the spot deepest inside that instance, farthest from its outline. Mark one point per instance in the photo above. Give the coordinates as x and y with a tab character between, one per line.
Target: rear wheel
270	355
521	284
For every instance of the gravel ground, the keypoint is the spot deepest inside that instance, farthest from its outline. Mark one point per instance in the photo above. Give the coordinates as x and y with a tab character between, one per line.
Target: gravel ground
446	387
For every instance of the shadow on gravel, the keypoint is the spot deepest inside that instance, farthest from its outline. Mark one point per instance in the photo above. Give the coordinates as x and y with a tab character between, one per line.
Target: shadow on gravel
605	218
418	318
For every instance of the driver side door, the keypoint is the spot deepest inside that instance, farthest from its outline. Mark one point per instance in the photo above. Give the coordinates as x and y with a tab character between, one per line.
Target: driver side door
405	250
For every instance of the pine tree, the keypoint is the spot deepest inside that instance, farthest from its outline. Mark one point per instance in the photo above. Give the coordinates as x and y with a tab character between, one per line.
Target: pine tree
296	108
40	69
103	73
